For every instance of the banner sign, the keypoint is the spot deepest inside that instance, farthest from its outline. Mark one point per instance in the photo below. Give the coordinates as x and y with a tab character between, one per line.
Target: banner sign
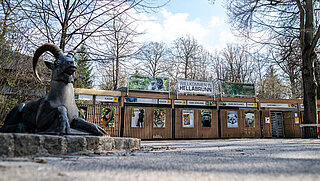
106	99
275	105
201	103
148	83
238	89
194	103
238	104
141	100
147	101
83	97
180	102
252	104
195	87
233	104
164	101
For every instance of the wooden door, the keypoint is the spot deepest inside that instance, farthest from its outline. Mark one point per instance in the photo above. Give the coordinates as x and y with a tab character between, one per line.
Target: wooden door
291	123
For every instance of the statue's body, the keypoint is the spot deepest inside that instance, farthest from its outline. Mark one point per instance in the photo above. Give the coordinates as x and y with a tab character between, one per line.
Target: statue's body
57	112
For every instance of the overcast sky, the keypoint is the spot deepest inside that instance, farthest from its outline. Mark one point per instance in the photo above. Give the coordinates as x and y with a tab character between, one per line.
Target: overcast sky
204	21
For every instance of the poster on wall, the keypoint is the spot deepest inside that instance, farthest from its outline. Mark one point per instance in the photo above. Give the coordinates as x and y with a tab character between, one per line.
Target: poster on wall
267	119
148	83
187	118
238	89
232	119
83	112
159	118
107	117
137	118
296	118
206	118
249	120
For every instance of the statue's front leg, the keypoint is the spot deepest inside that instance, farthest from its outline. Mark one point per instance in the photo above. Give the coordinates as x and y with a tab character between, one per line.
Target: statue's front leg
64	127
53	120
81	124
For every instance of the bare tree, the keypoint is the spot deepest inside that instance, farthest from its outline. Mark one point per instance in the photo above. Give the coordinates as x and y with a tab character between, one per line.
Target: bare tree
120	45
16	81
185	51
12	26
273	18
105	80
238	64
288	58
67	22
273	87
152	57
202	66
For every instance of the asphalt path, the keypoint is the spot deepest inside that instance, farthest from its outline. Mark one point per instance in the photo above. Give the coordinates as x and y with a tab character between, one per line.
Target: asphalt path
220	159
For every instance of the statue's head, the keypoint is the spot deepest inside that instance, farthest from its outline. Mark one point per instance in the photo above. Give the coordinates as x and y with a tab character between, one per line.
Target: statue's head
62	68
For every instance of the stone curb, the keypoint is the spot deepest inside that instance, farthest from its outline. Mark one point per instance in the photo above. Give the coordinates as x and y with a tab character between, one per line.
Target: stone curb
27	145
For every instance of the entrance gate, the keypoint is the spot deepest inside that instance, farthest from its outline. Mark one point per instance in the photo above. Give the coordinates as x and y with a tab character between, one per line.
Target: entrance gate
277	124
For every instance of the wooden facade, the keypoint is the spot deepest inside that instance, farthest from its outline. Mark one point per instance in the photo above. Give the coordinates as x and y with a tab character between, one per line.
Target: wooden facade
266	129
292	124
93	114
148	130
198	130
241	130
254	118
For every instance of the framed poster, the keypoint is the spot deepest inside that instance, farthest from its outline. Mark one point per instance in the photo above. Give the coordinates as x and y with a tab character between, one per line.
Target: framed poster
232	119
159	118
206	118
137	120
249	120
267	120
83	112
187	118
107	117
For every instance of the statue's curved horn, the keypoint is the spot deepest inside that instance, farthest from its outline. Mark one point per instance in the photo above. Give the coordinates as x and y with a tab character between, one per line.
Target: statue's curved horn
54	49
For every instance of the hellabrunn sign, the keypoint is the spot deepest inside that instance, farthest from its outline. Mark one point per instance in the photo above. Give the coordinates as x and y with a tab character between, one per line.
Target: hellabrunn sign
195	87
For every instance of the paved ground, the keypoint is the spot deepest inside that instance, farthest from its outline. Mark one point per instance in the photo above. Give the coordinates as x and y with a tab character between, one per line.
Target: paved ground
232	159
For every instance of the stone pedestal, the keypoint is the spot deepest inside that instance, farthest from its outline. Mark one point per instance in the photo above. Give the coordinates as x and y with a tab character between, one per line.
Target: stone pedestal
25	145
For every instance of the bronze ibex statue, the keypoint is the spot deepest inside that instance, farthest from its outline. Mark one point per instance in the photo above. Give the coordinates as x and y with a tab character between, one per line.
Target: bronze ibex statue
57	112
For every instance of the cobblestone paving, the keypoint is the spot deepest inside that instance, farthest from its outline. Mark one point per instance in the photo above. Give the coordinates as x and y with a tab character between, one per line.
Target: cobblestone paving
231	159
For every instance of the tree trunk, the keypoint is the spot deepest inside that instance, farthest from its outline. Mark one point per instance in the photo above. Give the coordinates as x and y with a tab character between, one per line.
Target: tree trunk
293	87
317	69
4	32
308	74
64	26
117	74
115	86
186	68
310	95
